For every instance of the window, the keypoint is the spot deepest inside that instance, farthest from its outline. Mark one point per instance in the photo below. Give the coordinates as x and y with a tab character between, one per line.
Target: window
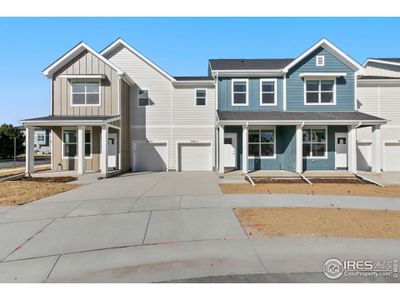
314	143
70	145
40	137
268	92
262	143
85	93
239	92
143	98
320	92
201	97
320	60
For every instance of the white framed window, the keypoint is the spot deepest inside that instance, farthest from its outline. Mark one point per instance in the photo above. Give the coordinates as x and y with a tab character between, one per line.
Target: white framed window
143	98
70	143
85	93
240	92
40	137
268	92
262	143
201	97
320	91
320	60
315	142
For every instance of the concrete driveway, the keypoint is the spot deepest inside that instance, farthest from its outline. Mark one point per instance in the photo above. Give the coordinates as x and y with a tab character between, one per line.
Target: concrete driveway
162	227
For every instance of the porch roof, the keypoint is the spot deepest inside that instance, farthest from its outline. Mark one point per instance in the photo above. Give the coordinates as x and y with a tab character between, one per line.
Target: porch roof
69	120
297	117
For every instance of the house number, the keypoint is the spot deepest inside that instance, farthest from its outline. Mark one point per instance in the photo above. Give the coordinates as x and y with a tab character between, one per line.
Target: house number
193	141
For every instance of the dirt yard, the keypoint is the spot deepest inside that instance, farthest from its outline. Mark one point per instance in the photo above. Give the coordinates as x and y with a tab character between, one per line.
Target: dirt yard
28	190
317	189
322	222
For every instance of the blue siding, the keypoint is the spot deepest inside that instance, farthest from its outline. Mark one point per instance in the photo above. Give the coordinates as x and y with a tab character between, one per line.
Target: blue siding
344	86
327	163
225	95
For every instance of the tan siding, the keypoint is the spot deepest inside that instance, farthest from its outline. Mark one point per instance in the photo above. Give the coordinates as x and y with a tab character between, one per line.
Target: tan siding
125	126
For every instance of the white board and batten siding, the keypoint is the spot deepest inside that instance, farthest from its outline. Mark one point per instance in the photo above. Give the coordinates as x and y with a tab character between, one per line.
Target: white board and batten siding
382	99
171	118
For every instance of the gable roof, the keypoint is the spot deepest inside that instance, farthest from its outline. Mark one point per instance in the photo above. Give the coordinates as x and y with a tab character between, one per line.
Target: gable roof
249	64
324	43
78	49
389	61
121	43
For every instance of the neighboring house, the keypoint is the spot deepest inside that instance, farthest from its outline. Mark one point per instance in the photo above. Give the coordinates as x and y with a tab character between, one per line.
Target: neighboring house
42	140
117	110
379	94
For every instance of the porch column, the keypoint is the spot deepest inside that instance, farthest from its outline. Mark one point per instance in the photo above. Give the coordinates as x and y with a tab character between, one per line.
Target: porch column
245	152
352	149
81	149
376	149
104	150
299	149
221	148
29	151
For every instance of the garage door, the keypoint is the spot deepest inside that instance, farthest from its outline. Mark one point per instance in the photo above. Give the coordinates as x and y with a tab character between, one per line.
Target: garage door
364	156
150	157
391	157
195	157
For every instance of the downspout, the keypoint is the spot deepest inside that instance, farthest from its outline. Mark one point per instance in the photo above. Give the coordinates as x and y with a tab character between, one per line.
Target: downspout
284	91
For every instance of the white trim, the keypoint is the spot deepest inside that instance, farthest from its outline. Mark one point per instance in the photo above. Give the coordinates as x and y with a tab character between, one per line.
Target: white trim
324	43
260	128
319	103
142	126
320	60
322	74
381	62
284	92
324	127
137	97
119	42
76	130
85	82
355	93
68	76
191	142
275	81
232	92
134	142
297	122
232	135
74	52
205	97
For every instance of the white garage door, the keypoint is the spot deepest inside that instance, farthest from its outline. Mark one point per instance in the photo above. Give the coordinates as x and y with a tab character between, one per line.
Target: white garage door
150	157
195	157
391	157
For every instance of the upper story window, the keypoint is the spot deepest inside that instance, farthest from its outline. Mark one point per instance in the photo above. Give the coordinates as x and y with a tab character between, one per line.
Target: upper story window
201	96
268	93
319	92
262	143
85	93
240	92
320	60
143	98
314	143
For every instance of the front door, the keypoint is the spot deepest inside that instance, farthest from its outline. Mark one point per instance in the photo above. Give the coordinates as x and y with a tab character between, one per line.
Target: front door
112	150
229	151
341	149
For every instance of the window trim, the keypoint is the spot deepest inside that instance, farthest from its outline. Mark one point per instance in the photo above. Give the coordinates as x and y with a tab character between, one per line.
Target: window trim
148	98
85	81
275	81
232	92
40	134
319	90
326	142
76	132
195	97
317	60
273	128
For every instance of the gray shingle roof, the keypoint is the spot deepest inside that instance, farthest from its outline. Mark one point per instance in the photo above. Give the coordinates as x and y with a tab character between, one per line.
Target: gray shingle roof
71	118
395	60
193	78
295	116
249	64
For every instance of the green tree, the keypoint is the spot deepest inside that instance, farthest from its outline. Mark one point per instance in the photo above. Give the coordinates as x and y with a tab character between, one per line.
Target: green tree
7	134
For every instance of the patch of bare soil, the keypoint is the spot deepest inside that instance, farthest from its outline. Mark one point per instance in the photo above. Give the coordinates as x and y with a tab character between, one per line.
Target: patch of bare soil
321	222
315	189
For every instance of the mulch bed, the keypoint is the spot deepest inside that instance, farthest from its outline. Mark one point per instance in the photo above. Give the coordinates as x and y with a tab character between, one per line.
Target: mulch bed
61	179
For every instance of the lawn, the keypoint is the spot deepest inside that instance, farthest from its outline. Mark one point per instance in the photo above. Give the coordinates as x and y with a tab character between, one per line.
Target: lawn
24	191
317	189
319	222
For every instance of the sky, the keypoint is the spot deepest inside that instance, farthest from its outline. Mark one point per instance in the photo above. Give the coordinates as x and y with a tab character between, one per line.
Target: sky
181	46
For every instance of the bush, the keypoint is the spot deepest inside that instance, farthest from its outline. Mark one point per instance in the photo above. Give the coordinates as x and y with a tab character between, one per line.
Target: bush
7	134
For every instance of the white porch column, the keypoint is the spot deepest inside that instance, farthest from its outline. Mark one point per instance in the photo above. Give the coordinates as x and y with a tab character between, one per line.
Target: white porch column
299	149
245	151
352	148
104	150
376	149
29	151
221	149
81	149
